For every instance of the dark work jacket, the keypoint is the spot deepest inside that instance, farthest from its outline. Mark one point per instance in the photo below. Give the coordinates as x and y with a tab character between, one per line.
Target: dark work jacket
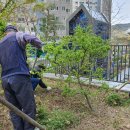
12	57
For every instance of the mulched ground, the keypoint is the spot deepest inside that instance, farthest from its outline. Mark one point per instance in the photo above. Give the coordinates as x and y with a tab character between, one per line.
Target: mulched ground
103	117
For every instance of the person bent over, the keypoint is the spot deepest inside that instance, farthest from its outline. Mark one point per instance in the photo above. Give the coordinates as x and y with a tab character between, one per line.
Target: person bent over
15	75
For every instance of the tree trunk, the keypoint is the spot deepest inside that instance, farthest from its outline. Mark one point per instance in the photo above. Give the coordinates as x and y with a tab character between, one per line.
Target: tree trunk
86	96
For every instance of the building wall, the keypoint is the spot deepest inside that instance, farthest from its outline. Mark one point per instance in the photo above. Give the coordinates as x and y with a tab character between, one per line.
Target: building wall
106	6
92	4
62	10
103	6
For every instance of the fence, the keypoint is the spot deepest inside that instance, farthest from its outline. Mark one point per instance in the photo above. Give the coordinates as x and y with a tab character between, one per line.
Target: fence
119	63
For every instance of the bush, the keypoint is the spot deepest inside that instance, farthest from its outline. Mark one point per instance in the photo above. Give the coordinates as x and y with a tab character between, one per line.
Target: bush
114	100
126	102
57	119
42	115
68	92
60	120
104	87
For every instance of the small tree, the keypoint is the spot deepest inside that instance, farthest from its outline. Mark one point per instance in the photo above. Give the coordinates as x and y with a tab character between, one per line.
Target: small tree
49	23
77	54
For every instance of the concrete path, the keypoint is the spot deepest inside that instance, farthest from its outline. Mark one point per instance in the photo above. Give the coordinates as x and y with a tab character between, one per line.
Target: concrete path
111	84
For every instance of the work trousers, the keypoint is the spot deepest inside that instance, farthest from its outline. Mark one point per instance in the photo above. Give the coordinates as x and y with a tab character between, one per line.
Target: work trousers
18	91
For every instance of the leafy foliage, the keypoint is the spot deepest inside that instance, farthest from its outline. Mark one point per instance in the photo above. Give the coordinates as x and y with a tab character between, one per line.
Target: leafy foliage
49	23
57	119
42	115
67	91
114	100
104	87
30	50
77	54
2	27
60	120
7	8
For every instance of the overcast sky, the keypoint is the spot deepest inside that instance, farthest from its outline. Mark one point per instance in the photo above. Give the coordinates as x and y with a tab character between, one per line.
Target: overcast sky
123	7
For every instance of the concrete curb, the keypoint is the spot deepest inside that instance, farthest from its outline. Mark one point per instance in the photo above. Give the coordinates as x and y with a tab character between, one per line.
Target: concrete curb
115	85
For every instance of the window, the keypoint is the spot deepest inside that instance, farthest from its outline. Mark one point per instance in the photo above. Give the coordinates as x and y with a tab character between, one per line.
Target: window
57	8
57	18
52	8
63	8
32	29
61	27
81	3
67	10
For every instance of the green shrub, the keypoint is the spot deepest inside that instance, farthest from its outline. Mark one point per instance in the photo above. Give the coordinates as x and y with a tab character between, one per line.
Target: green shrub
104	87
57	119
126	102
114	100
68	92
60	120
42	115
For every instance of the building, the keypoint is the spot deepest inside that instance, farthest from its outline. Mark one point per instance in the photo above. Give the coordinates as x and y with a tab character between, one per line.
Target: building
24	19
92	4
102	6
64	8
105	8
83	16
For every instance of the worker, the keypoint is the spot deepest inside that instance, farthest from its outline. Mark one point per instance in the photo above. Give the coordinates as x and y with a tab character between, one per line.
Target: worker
37	80
15	75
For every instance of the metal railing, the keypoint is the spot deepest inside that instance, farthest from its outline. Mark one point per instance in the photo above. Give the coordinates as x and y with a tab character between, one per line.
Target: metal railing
116	66
119	63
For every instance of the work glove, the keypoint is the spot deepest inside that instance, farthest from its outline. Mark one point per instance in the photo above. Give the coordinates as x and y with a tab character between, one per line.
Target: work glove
39	53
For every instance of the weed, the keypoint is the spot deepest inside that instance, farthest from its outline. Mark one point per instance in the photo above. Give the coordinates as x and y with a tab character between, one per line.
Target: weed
68	92
126	102
57	119
104	87
116	124
42	115
114	100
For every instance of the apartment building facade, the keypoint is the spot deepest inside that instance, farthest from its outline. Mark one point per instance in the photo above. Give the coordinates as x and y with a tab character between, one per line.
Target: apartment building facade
92	4
64	8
